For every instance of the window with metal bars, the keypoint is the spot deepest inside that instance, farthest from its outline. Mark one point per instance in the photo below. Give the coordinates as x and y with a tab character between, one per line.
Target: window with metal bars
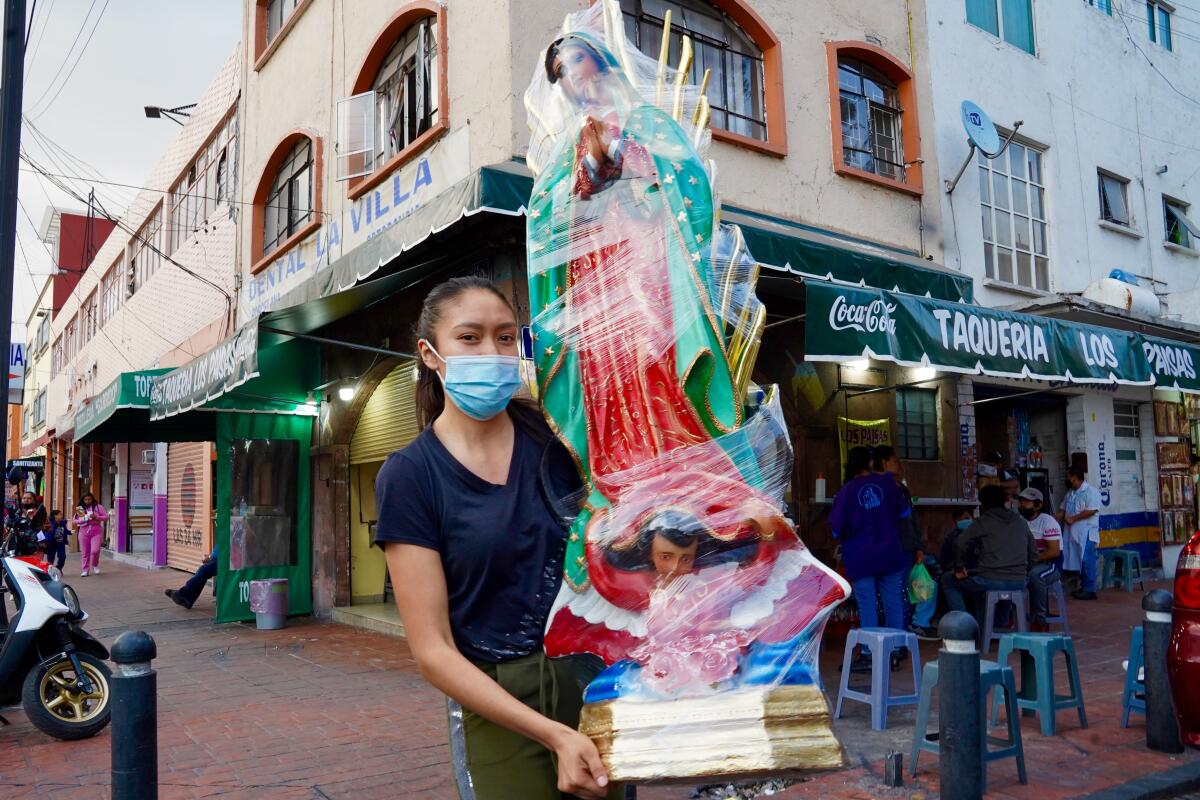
1012	195
290	202
735	87
871	113
917	424
1125	420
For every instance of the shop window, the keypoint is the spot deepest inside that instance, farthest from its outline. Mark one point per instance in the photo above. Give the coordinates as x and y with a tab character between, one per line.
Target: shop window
262	524
873	108
1125	420
290	203
145	252
1010	20
399	101
286	205
1114	198
1012	194
1158	19
916	424
195	197
1180	230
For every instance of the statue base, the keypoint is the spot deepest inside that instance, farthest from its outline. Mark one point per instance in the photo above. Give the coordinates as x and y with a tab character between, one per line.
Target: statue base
746	733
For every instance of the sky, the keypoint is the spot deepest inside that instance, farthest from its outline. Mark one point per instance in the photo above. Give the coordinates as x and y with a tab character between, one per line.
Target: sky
89	101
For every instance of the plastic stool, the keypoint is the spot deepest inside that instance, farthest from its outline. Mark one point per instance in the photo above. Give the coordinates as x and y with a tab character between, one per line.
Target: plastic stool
1056	591
1037	676
882	642
1019	598
1134	686
1129	561
991	675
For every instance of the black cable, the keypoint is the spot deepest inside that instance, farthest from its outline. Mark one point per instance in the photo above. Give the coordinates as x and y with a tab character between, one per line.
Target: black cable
78	58
67	57
37	46
29	28
1153	66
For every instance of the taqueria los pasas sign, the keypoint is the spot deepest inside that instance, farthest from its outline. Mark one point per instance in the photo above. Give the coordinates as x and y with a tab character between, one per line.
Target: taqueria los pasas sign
843	323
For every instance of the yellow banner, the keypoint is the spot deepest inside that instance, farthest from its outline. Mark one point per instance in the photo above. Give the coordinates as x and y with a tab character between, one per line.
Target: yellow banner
862	433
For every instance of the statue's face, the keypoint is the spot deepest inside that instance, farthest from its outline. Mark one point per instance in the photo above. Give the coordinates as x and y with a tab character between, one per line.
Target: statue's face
579	73
670	559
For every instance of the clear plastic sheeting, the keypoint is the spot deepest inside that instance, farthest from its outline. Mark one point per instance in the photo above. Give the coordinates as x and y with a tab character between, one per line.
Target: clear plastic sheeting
682	572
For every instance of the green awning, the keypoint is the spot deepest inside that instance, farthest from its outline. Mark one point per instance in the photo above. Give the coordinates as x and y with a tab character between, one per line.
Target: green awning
1173	363
844	323
121	405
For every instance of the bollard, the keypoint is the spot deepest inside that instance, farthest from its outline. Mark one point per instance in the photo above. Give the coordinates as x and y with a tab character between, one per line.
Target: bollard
1162	728
960	710
134	718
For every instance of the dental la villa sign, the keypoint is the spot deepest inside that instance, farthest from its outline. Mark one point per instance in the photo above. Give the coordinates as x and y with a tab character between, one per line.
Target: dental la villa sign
400	195
844	323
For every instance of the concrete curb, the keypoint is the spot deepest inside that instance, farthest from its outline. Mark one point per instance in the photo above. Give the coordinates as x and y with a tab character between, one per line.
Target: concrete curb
1171	783
130	559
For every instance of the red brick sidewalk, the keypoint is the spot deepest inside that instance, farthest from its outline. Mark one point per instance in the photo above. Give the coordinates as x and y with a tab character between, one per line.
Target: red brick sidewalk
319	710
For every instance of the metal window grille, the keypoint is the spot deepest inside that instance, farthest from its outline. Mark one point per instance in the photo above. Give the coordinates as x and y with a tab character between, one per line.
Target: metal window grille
917	424
871	114
1012	197
735	88
1125	420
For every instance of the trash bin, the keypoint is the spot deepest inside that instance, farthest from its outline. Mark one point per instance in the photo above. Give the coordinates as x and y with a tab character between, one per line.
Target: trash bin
269	602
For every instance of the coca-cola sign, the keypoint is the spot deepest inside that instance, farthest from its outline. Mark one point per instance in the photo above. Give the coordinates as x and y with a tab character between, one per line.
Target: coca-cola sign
872	317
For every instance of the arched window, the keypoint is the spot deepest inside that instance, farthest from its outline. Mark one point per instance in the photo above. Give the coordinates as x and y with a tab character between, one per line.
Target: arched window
873	106
745	87
273	19
399	100
287	202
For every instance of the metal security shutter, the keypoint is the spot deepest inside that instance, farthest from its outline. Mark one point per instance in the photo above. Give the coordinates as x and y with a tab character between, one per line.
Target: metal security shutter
389	419
189	498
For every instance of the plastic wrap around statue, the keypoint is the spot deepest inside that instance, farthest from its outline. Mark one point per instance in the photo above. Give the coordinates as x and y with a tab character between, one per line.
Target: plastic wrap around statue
682	572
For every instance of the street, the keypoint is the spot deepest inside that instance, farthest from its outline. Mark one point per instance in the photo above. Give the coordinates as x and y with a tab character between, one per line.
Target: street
321	710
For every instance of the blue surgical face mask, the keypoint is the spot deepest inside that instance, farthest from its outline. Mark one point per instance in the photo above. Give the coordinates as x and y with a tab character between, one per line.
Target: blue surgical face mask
963	524
480	386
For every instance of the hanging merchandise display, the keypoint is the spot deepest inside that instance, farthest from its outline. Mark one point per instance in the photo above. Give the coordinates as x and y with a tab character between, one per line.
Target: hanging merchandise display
681	572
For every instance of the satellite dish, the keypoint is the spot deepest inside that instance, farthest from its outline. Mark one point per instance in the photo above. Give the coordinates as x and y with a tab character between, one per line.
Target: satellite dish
980	129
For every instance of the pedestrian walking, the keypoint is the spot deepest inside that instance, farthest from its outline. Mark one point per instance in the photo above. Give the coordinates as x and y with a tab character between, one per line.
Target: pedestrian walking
56	550
89	525
1081	514
475	555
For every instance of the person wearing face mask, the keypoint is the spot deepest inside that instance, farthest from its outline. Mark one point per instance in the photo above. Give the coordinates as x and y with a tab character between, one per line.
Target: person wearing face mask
34	511
1047	537
475	554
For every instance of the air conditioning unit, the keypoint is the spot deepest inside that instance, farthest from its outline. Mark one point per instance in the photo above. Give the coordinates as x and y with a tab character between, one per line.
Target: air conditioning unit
148	457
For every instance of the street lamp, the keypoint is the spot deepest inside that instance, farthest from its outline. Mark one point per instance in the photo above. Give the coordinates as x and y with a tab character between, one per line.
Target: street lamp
158	112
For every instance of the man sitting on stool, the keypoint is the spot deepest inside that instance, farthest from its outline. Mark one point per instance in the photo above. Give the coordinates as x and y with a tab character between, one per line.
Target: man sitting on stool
1006	552
1047	537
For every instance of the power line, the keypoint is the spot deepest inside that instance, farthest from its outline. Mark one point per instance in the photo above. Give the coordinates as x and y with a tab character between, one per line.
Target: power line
78	58
67	57
1153	66
31	58
29	28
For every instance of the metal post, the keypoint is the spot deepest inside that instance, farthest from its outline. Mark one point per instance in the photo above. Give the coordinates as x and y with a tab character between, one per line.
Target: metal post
134	718
960	713
12	81
1162	727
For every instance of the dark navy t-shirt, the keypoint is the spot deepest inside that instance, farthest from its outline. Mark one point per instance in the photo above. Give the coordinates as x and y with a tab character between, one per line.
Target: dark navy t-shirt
501	546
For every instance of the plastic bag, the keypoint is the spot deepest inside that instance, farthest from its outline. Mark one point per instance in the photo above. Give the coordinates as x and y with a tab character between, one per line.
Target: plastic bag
920	585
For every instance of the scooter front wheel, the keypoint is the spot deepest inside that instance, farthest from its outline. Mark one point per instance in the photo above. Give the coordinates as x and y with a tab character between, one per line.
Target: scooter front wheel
57	707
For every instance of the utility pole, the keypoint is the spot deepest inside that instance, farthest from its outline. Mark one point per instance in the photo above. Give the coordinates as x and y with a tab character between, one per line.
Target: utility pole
11	91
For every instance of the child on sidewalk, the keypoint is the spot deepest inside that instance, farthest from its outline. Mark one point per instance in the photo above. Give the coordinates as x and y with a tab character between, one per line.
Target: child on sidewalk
56	549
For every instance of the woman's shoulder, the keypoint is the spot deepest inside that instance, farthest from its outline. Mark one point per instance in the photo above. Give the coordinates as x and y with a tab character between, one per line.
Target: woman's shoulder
409	462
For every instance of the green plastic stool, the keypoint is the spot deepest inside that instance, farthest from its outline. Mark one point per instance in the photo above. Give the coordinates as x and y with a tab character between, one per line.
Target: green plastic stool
1129	561
1037	677
991	676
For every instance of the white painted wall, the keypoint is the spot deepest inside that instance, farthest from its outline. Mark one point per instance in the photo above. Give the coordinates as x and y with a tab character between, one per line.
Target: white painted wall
1094	101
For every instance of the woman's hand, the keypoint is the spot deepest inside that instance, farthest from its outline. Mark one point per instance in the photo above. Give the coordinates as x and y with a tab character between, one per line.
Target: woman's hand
580	770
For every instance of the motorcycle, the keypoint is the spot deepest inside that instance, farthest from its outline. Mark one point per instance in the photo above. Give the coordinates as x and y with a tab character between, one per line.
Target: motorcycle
49	664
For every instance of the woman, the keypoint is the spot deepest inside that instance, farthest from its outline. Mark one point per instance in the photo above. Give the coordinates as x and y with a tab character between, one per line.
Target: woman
34	511
89	523
475	555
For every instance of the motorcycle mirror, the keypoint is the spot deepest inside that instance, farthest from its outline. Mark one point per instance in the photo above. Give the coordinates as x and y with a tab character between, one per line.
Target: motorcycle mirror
16	476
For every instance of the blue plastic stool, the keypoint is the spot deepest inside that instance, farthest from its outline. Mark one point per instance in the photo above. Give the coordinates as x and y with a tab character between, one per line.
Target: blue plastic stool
881	642
1133	698
1037	677
1019	598
991	676
1129	561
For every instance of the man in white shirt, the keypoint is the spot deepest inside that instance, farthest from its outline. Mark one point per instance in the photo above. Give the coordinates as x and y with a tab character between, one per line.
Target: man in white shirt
1081	515
1047	537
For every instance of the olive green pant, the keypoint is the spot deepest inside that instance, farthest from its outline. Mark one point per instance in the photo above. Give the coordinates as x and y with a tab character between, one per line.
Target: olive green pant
493	763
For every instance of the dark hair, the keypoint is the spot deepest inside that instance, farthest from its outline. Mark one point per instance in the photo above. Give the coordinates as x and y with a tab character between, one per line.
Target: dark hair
1075	472
964	511
1194	460
992	496
86	495
55	513
857	460
557	44
881	454
430	396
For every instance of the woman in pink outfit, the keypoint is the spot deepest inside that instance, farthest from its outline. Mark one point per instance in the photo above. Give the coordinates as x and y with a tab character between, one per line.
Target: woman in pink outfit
89	523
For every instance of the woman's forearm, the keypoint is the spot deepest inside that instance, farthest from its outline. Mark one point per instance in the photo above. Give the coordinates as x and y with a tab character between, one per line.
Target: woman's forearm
456	677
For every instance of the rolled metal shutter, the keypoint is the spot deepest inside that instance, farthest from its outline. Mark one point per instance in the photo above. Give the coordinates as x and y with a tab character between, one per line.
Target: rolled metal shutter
189	499
389	419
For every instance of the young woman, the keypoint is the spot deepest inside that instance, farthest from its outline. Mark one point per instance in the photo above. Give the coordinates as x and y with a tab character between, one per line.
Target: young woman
475	553
89	524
